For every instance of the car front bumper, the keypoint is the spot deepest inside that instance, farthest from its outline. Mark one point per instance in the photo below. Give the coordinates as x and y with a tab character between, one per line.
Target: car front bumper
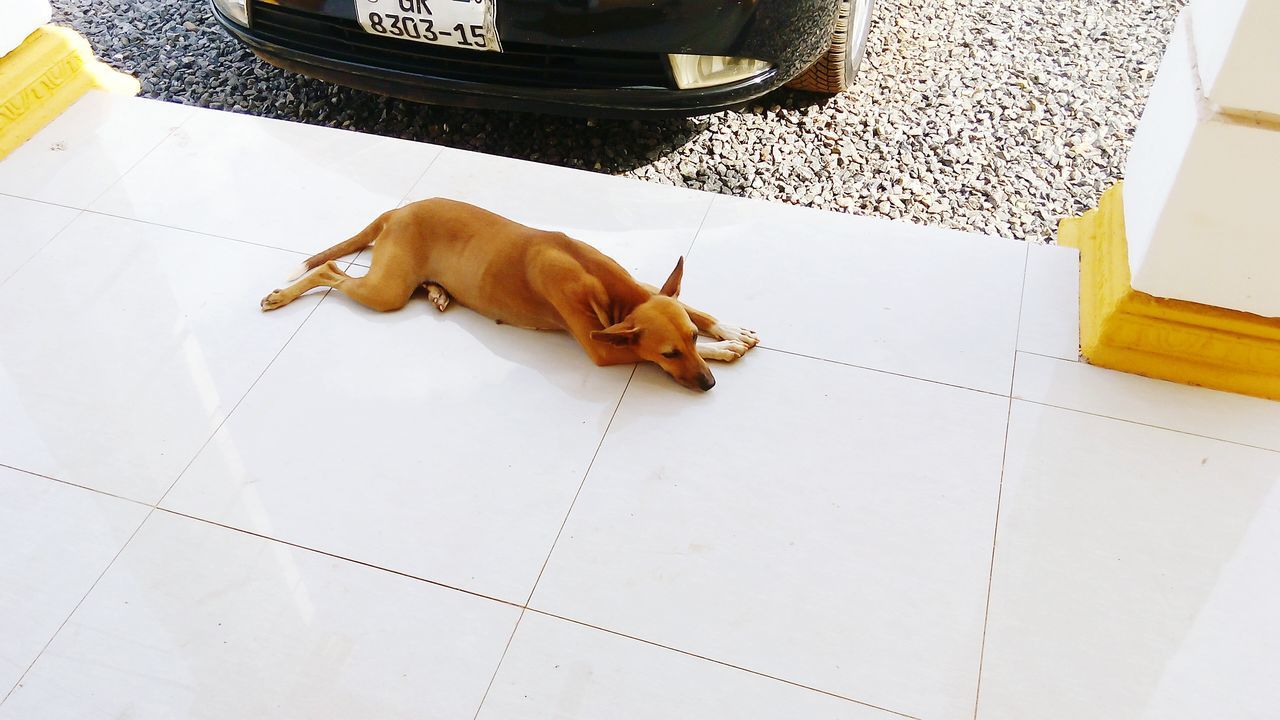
321	39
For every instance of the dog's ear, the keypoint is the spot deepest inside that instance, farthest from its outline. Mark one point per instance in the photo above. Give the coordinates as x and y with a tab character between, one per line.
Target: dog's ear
619	334
671	288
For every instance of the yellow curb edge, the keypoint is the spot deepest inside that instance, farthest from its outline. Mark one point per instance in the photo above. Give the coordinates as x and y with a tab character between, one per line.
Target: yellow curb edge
50	70
1185	342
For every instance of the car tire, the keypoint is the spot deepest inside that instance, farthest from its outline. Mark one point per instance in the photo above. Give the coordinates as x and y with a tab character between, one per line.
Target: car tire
833	72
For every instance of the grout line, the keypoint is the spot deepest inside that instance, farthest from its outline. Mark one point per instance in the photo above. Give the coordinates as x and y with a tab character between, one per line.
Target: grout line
1075	359
80	602
75	485
152	509
153	223
1017	331
343	558
1004	456
144	156
493	678
252	385
79	214
689	250
879	370
1130	420
991	568
565	521
721	663
1146	425
196	232
559	531
102	213
421	175
156	506
41	201
399	204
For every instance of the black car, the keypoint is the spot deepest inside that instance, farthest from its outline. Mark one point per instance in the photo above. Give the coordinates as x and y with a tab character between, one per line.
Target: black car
594	57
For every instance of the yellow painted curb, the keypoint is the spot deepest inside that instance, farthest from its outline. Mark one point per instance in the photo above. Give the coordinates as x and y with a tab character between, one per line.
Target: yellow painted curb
43	76
1186	342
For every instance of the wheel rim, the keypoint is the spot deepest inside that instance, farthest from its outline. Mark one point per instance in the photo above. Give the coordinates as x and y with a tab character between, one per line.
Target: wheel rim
859	28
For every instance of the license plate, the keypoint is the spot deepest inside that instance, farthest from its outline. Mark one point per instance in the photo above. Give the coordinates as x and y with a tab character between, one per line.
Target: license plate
454	23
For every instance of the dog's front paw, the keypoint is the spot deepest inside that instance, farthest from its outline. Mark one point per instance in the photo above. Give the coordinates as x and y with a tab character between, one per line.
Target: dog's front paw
724	350
721	331
273	300
438	296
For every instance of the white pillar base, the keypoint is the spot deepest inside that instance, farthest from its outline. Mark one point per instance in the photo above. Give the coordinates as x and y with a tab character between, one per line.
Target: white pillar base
20	18
1202	184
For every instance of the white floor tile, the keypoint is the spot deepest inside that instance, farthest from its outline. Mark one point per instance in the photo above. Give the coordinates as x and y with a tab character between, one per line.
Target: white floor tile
644	226
125	344
55	540
1051	302
558	669
1226	664
822	524
443	446
25	227
1080	386
197	621
923	302
286	185
1128	560
89	147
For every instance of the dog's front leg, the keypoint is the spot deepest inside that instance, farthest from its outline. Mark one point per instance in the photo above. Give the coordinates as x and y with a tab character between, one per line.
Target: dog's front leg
724	350
580	322
733	342
713	328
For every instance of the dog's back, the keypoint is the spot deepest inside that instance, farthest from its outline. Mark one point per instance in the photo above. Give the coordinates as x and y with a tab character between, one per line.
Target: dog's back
495	266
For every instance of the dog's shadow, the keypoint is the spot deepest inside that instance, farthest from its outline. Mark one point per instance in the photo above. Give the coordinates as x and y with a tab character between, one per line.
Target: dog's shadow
459	338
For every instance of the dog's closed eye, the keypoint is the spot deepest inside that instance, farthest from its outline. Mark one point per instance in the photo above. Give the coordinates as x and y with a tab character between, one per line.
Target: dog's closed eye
671	354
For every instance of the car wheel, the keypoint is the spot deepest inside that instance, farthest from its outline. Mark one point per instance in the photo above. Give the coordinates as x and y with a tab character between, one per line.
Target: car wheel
834	71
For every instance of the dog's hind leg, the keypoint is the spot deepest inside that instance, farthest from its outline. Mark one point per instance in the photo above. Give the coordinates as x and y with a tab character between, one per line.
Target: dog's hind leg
361	240
437	295
325	275
381	291
385	288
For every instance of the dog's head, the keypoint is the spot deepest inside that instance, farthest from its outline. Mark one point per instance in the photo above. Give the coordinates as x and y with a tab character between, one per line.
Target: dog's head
659	330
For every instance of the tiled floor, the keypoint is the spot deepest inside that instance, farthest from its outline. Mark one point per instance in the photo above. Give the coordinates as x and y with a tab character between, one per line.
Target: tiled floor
913	501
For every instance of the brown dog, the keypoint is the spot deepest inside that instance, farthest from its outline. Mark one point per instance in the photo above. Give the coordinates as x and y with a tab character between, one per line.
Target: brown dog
529	278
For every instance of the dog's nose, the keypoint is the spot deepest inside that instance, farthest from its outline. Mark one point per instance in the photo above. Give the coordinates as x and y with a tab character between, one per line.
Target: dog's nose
706	382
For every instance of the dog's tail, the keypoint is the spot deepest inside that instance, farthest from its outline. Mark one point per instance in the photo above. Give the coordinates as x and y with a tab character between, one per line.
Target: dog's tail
359	241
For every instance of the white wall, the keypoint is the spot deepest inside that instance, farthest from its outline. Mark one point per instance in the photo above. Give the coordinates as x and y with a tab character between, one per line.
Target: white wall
1202	184
18	18
1238	52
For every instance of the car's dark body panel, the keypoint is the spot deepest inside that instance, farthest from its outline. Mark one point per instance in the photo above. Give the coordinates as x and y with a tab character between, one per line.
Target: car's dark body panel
788	33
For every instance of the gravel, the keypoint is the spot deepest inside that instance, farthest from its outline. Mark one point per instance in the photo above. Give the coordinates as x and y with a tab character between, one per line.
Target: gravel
995	116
